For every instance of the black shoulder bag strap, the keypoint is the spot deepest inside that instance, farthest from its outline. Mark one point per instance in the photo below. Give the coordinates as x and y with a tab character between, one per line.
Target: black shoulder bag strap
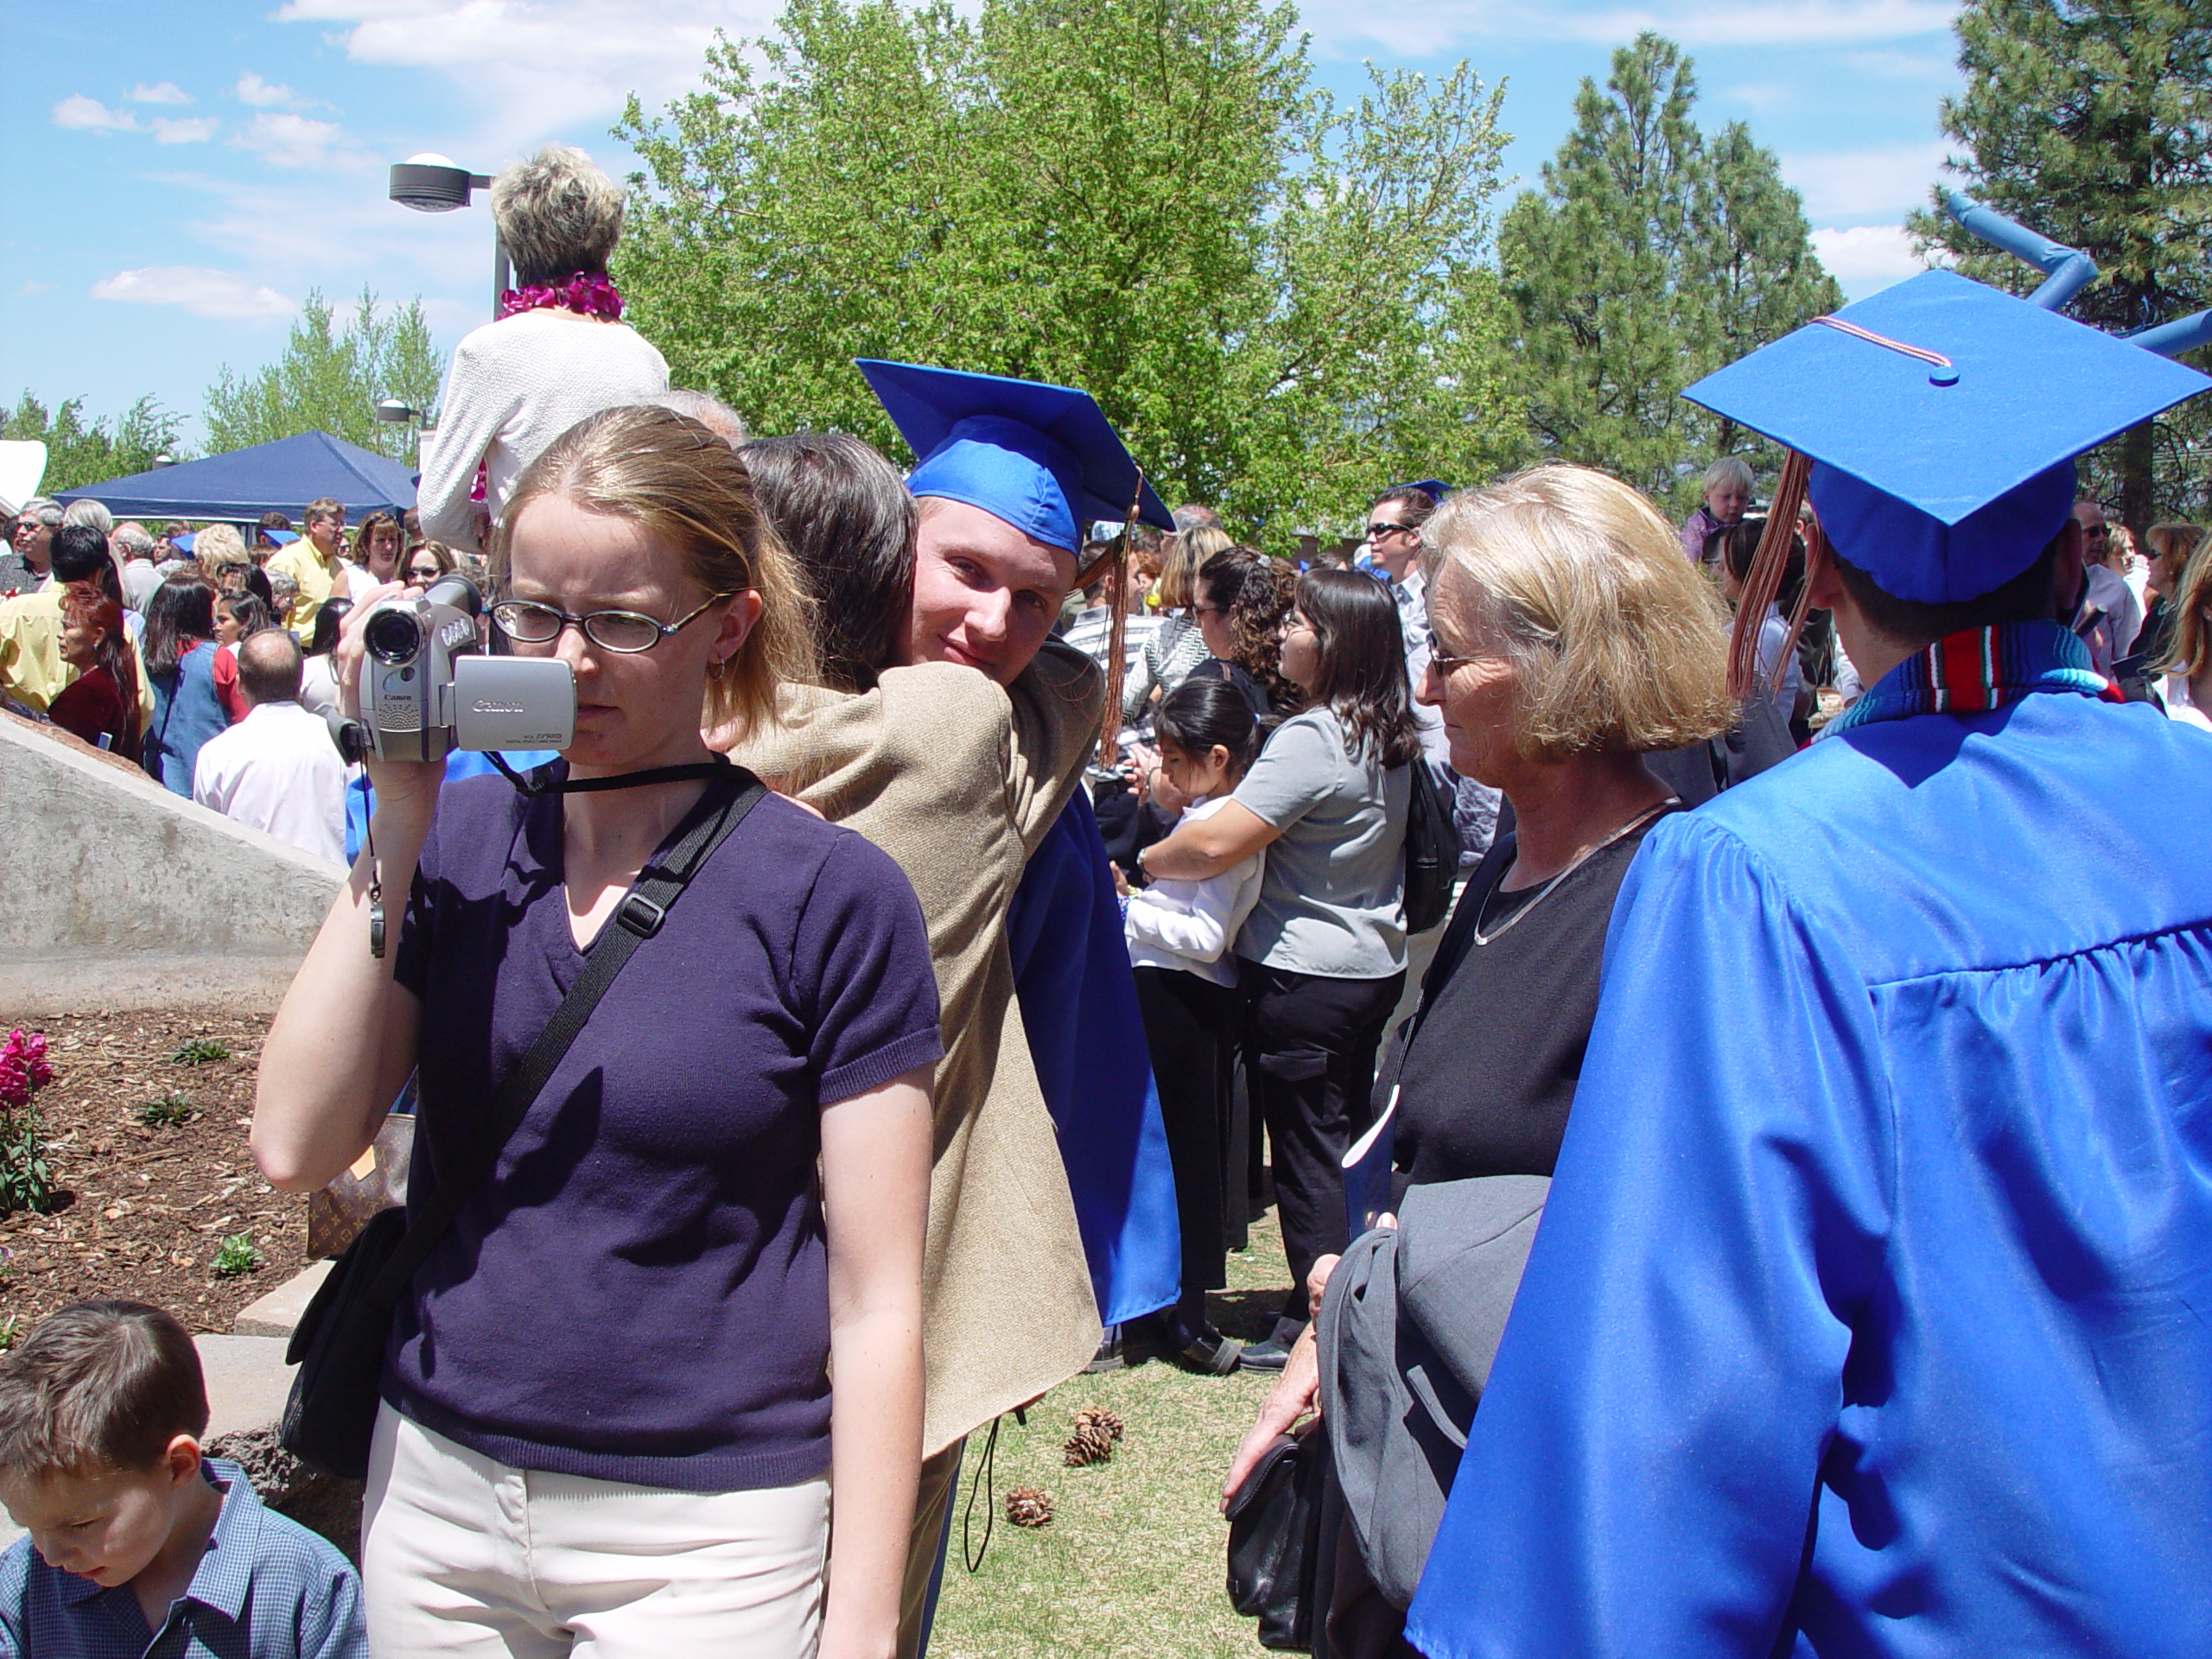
636	919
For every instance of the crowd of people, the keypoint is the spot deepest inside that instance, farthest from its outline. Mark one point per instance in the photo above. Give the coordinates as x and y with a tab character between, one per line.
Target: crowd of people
1834	1136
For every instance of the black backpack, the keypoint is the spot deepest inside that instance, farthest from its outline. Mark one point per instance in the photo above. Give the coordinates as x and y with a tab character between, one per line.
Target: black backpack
1432	850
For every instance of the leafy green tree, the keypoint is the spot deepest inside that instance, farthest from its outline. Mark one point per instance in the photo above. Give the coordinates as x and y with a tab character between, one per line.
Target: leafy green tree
2091	121
1650	257
1276	299
329	379
80	451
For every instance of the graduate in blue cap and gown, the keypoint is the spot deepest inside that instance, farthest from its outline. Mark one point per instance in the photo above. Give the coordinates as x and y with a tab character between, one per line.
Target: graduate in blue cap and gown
1010	474
1872	1310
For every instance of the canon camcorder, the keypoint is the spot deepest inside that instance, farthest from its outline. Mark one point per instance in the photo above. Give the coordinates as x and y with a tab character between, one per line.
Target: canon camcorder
427	688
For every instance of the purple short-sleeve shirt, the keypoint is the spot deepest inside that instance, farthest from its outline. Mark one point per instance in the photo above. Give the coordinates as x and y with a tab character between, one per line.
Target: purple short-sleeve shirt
640	1291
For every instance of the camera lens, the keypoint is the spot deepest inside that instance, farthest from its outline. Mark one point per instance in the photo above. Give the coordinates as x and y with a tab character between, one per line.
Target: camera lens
393	636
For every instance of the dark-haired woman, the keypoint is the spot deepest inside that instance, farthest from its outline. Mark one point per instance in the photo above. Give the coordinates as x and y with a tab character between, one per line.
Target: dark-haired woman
180	663
1242	597
101	705
1180	934
1322	958
239	616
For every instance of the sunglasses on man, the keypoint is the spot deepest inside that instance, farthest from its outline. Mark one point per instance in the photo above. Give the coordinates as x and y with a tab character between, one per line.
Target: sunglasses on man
1379	529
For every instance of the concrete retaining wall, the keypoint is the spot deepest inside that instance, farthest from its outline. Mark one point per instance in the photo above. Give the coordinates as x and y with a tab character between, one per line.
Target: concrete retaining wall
115	893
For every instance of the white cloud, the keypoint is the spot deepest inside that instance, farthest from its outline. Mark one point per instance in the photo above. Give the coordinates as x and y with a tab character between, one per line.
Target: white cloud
166	91
262	94
192	129
204	293
90	115
1867	254
287	140
1759	94
530	71
1860	183
1422	26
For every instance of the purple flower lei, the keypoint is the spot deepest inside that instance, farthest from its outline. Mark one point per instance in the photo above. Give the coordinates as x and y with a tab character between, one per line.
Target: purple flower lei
588	292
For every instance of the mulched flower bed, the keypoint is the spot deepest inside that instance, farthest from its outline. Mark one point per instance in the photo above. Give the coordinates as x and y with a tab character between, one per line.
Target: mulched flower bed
142	1209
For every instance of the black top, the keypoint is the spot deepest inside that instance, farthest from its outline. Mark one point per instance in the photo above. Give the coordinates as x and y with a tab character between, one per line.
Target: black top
1220	668
1491	1072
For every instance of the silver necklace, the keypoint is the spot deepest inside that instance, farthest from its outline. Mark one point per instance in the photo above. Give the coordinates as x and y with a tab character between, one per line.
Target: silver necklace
1580	858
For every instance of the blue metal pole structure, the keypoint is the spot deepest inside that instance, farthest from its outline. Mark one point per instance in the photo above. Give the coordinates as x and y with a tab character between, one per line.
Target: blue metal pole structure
2067	271
2172	339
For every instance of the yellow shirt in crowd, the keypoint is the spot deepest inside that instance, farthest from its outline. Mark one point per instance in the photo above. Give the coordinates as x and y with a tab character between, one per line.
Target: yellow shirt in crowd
317	578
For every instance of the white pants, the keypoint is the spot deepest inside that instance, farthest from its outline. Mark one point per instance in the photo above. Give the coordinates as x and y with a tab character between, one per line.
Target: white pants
461	1554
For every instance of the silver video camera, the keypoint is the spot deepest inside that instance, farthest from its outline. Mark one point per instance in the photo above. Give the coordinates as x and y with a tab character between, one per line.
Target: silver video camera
426	689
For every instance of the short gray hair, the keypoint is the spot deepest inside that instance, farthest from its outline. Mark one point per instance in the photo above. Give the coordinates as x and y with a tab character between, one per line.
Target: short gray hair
135	537
717	416
556	213
89	511
42	510
1729	469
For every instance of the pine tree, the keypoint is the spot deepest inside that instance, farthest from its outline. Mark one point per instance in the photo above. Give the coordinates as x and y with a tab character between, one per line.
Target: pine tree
1649	258
329	379
2091	121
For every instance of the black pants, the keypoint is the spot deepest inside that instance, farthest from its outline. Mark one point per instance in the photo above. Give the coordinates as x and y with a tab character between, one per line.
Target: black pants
1309	1044
1190	1026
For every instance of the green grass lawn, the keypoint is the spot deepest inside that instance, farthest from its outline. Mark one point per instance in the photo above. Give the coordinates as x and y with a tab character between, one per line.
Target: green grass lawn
1132	1562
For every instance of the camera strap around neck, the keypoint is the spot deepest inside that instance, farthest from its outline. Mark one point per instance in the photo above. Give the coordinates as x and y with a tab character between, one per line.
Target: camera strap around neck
732	793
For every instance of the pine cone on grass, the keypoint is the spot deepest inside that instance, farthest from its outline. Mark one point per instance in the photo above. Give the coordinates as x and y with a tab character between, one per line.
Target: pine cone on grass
1099	1418
1028	1507
1088	1444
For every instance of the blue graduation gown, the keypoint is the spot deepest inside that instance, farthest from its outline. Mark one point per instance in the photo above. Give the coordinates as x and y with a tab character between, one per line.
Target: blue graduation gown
1079	1004
1872	1312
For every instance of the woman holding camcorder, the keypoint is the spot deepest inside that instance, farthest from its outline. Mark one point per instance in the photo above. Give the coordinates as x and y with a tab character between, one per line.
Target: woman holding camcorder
607	1415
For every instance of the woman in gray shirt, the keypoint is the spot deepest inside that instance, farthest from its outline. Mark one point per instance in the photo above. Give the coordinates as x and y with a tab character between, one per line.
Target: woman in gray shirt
1322	956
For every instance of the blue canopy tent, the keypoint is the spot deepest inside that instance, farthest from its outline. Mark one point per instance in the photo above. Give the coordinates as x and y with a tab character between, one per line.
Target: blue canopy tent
280	477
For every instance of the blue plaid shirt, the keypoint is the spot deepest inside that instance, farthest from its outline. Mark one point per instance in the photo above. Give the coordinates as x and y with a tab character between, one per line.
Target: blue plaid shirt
267	1589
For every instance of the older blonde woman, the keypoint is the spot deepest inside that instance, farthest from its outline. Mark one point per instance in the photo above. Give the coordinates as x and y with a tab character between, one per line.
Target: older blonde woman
2187	666
1568	639
558	352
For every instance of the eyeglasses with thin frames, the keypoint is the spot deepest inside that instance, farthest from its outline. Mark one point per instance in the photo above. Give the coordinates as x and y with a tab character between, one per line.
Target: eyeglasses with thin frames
528	623
1442	661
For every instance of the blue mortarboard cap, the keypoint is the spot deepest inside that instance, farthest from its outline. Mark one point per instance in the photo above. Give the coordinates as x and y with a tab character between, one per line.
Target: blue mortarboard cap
1043	458
1435	488
1943	479
281	537
183	543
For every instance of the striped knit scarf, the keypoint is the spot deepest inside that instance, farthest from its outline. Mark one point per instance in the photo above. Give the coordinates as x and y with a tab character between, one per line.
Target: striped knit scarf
1977	671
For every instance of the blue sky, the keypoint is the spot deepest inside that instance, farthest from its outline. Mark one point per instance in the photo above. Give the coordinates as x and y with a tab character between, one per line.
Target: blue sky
177	176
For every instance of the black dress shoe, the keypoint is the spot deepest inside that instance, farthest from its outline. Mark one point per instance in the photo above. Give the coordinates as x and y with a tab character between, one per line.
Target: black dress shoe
1211	1354
1268	1355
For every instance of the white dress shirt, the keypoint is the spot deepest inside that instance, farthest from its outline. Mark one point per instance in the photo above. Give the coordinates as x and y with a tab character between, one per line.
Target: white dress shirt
277	771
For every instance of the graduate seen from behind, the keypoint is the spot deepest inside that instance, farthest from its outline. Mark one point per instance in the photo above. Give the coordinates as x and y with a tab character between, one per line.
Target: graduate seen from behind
1866	1315
608	1419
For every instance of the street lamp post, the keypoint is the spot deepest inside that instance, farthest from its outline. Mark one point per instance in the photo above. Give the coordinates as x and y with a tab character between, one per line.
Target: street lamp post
431	184
391	412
